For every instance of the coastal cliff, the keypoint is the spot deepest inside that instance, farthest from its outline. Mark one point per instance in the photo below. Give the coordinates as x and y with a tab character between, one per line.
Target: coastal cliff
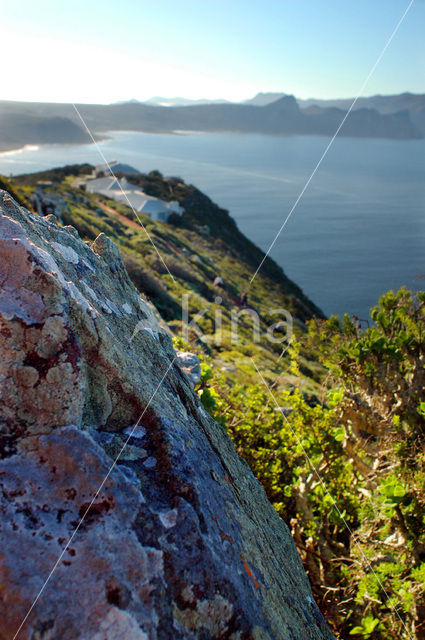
118	487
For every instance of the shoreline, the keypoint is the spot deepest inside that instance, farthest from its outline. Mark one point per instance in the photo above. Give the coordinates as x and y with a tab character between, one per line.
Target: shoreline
5	151
111	134
27	147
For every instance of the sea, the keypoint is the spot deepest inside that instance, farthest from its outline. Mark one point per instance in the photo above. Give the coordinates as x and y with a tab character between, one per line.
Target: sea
357	231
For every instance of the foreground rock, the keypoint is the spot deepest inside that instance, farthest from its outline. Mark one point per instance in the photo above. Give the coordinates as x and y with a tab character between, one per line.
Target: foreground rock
177	539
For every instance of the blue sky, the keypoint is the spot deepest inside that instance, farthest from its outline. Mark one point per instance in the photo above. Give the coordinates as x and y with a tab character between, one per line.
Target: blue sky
104	51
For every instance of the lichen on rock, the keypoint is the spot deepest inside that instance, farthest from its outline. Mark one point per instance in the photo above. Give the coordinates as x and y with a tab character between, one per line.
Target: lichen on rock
180	540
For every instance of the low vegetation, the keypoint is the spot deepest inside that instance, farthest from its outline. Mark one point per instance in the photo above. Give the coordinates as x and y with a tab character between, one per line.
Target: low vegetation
348	473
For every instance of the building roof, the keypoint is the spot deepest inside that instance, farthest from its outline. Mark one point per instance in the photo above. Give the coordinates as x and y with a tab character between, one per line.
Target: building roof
123	191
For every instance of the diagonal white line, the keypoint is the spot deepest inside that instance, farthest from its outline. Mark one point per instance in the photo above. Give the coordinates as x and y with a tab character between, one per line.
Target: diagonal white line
335	506
378	60
55	566
122	190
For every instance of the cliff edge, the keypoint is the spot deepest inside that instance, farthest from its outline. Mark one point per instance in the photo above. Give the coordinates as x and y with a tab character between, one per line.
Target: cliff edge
154	531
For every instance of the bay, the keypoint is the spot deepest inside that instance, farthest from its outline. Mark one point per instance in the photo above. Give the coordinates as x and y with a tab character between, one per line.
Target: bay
358	230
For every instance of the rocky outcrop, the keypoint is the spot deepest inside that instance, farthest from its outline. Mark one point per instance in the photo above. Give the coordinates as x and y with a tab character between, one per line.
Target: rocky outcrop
117	488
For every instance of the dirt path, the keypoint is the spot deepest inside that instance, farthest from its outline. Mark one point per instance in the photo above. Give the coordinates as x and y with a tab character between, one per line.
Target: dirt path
120	216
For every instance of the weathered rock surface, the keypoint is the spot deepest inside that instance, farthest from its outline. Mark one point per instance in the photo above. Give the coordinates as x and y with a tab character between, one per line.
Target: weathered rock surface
177	539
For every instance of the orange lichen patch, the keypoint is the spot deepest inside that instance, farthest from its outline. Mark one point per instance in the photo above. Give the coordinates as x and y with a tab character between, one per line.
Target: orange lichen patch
249	572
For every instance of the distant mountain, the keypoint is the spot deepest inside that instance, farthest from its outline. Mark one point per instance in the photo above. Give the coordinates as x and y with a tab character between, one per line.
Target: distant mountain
281	117
413	103
19	128
262	99
22	123
131	101
363	122
181	102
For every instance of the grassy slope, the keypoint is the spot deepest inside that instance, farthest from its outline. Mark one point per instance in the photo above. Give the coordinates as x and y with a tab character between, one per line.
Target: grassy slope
204	243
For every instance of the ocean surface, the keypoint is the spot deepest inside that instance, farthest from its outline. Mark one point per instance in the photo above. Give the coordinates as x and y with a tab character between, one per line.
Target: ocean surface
358	230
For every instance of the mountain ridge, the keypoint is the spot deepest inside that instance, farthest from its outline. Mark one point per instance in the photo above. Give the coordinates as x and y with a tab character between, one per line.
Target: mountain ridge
41	123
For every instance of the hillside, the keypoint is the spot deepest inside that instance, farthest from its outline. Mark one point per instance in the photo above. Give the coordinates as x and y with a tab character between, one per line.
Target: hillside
195	249
21	128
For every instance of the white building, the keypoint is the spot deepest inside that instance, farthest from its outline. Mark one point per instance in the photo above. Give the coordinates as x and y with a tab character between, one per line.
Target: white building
121	190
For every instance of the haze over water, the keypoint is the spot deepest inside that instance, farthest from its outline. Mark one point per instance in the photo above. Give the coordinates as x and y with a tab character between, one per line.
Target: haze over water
358	231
